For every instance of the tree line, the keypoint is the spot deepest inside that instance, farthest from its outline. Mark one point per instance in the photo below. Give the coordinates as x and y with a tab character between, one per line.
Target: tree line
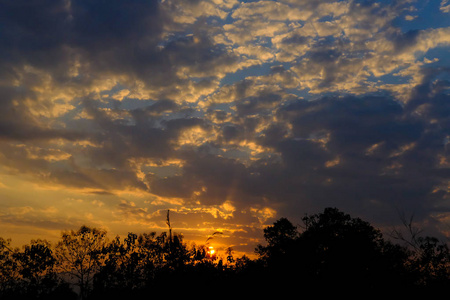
330	253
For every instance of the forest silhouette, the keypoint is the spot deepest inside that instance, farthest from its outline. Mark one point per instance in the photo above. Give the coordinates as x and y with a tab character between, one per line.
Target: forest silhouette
331	253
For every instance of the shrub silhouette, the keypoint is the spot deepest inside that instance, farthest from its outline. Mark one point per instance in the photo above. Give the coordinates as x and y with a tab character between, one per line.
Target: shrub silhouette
330	253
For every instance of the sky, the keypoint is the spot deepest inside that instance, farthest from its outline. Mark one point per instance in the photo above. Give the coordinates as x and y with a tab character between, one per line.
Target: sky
232	114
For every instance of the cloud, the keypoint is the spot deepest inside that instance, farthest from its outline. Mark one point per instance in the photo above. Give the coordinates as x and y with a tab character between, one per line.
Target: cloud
270	10
46	218
445	6
234	112
343	150
188	12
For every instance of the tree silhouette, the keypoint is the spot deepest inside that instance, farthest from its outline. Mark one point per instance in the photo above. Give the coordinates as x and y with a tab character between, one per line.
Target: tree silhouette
36	268
36	261
280	238
30	273
331	253
431	263
79	255
117	263
9	274
342	251
334	250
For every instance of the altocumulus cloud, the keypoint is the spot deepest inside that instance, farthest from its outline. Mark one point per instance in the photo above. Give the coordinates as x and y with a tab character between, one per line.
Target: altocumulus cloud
230	113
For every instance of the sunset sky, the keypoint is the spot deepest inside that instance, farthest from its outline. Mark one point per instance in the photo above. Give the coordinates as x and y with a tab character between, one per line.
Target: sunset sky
232	114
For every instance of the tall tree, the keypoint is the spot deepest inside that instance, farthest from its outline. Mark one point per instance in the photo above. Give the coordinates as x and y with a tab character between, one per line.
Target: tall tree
79	255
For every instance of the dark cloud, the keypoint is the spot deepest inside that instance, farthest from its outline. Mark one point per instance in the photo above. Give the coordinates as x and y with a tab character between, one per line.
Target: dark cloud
33	32
354	123
384	153
118	38
231	132
18	123
104	180
103	97
173	187
402	41
113	21
36	31
257	105
146	136
365	154
157	108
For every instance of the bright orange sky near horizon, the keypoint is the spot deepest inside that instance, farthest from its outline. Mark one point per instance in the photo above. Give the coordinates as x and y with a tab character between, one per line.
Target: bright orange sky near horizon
232	114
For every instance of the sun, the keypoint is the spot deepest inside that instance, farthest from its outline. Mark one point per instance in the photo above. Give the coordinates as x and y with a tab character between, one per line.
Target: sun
211	253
